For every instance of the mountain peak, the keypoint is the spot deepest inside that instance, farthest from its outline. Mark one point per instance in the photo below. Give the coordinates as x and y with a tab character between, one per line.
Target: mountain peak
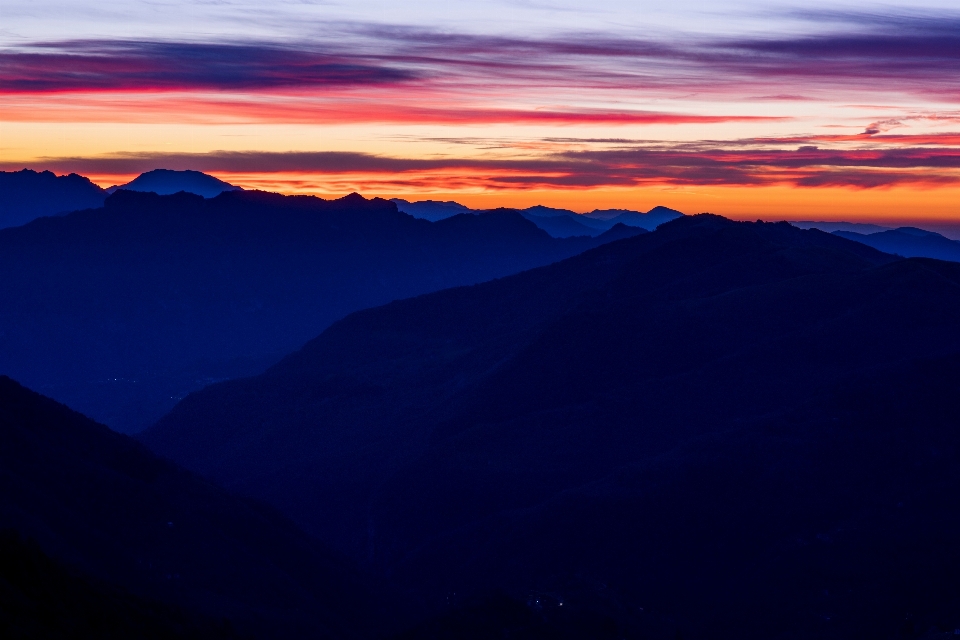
167	182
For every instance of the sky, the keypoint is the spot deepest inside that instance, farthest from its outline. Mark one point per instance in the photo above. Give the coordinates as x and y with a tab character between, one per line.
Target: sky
774	110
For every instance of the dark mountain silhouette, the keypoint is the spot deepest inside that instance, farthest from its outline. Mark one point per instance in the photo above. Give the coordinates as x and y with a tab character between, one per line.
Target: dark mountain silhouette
121	311
44	598
718	429
432	210
128	545
26	195
166	182
909	242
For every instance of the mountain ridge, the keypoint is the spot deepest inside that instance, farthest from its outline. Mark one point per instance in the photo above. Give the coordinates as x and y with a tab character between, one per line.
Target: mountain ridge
121	310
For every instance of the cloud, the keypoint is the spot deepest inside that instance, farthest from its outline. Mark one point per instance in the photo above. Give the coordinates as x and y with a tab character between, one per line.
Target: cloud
880	54
163	66
703	163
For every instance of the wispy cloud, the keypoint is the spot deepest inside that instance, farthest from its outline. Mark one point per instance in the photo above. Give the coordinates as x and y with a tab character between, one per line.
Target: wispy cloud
130	65
920	55
703	163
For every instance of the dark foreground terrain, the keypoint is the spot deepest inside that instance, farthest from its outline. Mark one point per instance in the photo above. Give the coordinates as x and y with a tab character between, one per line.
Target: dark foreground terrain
715	430
99	538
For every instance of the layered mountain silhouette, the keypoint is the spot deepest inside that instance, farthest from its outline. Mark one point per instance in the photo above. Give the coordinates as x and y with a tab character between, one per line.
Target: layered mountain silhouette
559	223
432	210
718	429
909	242
26	195
830	227
100	538
166	182
120	311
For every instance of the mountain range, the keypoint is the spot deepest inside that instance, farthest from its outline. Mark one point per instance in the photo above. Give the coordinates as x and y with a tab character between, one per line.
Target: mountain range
121	310
559	223
530	424
27	195
908	242
717	429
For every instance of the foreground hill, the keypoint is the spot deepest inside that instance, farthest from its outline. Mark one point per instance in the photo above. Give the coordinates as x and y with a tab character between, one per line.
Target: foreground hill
119	311
716	429
127	545
26	195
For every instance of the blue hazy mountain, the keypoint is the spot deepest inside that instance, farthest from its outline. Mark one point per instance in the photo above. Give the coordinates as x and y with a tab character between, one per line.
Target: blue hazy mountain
432	210
122	310
717	429
26	195
167	182
830	227
561	226
559	223
909	242
124	544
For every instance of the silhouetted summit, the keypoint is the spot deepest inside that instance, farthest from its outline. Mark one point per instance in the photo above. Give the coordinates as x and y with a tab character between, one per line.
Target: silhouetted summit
166	182
718	429
26	195
120	311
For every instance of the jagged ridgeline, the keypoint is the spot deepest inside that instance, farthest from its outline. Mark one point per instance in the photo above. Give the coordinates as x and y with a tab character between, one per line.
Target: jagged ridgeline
121	310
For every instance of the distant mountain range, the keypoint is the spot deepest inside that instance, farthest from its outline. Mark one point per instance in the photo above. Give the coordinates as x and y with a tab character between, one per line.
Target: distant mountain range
120	311
559	223
166	182
27	195
717	429
830	227
113	542
909	242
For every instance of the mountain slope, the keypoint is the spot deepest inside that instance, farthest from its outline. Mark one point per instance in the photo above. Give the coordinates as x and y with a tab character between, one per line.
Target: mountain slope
120	311
561	226
148	531
26	195
432	210
909	242
166	182
699	419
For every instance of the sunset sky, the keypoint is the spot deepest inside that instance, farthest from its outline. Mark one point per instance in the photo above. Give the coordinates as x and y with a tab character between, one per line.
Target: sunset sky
795	110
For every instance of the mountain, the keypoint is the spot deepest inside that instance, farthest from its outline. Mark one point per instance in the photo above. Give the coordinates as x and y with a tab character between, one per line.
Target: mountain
830	227
649	220
432	210
717	429
908	242
26	195
561	226
559	223
167	182
122	310
124	544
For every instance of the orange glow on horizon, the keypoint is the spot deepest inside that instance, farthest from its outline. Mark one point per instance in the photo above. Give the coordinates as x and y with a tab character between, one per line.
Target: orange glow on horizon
896	205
